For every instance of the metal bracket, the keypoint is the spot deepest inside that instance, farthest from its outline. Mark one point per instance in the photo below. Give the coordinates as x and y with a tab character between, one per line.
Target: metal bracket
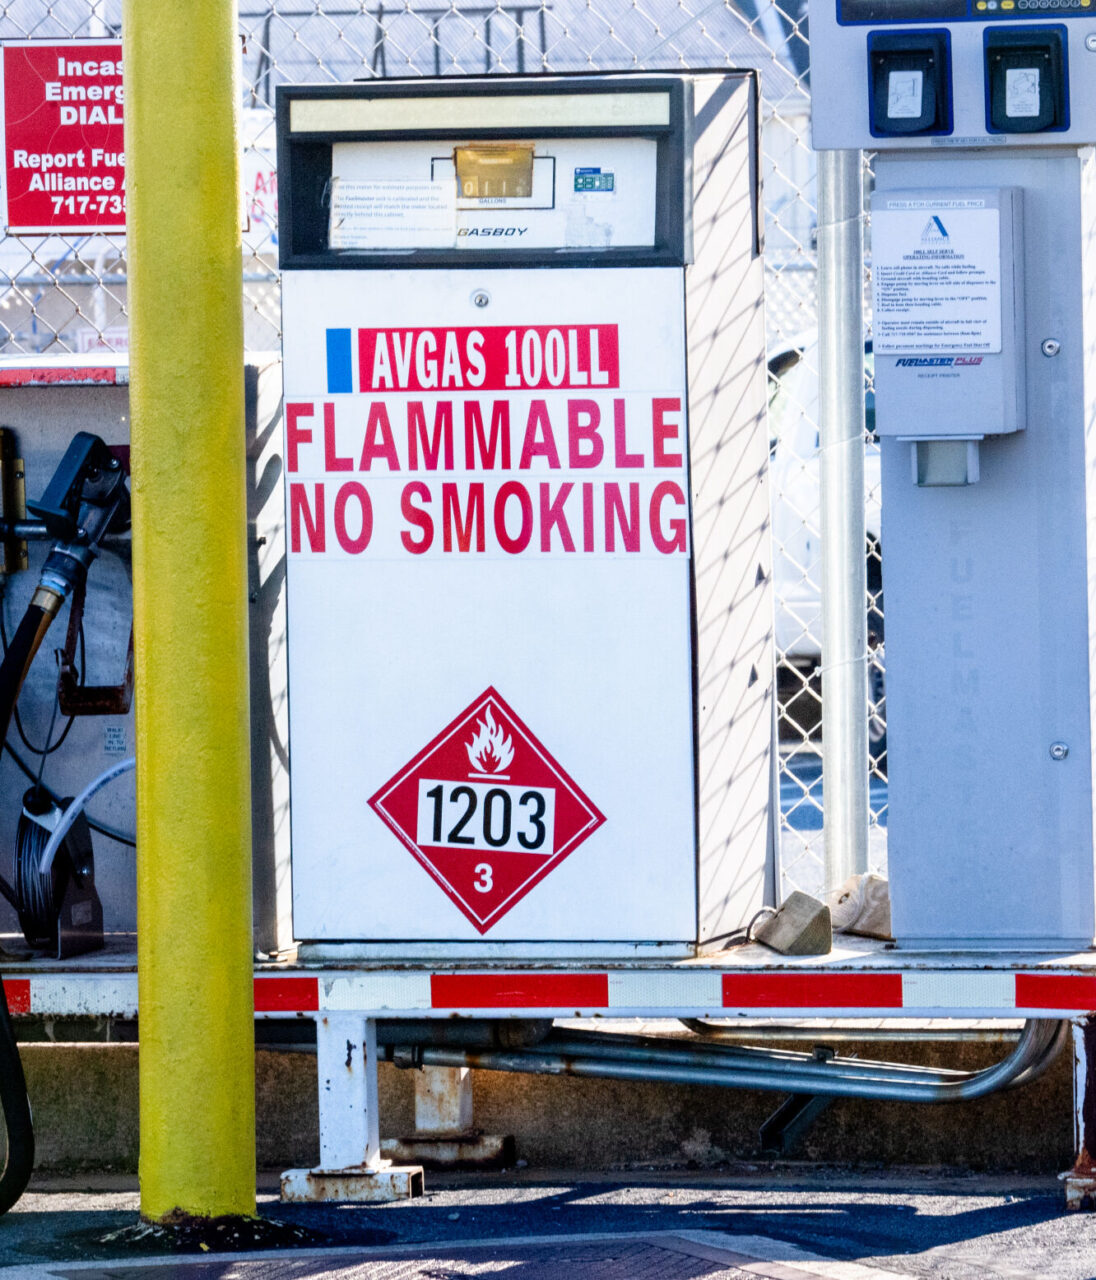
96	699
782	1131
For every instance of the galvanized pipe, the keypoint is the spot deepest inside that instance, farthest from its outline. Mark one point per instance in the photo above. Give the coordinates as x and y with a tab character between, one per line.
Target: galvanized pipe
776	1061
846	1033
599	1058
844	537
1055	1044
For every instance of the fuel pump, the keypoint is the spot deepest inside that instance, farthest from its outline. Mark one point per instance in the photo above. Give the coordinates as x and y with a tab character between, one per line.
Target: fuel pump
982	114
86	499
529	496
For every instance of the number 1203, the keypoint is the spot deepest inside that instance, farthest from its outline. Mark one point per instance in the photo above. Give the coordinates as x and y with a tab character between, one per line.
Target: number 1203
482	815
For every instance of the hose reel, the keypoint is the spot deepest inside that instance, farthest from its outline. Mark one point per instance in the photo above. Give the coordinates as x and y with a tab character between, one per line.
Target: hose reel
58	906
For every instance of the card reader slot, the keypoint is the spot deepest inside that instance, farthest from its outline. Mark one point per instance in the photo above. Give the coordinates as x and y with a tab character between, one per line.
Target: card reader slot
909	79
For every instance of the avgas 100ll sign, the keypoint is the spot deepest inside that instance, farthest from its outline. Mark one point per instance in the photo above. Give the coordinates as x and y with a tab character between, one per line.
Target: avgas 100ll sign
484	440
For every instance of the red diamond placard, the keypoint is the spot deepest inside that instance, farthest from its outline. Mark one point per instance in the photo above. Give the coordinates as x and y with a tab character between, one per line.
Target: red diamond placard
487	810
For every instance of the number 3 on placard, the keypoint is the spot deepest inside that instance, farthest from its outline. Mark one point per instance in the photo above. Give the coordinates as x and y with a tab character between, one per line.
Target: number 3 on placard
484	883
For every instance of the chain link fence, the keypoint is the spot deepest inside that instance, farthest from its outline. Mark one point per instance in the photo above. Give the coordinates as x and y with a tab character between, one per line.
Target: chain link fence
65	294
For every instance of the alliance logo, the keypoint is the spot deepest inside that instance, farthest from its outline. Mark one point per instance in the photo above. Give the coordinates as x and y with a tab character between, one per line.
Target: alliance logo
934	231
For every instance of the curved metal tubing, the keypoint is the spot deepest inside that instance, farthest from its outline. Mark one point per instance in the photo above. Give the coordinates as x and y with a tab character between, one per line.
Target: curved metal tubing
727	1032
712	1036
773	1061
608	1056
1055	1044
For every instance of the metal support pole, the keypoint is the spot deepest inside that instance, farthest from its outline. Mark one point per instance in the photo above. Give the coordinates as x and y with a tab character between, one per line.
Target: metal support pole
844	538
351	1165
1080	1181
346	1068
197	1081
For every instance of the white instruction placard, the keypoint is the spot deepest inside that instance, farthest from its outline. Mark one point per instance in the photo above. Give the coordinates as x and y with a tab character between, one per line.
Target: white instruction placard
904	89
936	276
1022	92
393	213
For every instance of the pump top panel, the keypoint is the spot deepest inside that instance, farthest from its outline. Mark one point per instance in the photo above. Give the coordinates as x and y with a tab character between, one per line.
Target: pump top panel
405	175
952	73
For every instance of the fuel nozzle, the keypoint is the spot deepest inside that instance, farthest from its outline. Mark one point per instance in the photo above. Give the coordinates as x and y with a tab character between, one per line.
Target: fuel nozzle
85	499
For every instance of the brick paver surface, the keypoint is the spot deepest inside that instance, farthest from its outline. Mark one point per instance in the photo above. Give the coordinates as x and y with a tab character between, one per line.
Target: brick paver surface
631	1259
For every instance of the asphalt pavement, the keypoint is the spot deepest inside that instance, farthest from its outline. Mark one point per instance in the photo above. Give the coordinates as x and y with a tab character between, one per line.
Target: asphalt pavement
786	1223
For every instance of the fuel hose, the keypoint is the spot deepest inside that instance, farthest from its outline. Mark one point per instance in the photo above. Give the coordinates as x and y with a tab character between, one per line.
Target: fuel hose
18	1146
86	497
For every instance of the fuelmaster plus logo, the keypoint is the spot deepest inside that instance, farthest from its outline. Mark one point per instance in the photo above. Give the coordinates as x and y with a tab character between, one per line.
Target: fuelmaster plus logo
936	362
486	810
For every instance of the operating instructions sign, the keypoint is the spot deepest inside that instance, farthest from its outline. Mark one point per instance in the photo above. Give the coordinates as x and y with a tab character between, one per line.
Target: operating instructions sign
936	274
64	151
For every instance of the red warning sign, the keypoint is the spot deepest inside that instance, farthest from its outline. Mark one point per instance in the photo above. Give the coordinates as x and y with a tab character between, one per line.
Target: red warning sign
64	151
486	810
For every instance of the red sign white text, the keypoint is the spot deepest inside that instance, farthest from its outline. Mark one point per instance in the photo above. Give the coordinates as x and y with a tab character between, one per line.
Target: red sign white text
64	153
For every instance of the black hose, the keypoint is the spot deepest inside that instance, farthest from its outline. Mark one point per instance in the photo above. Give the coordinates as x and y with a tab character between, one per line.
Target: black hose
102	827
18	1124
49	748
19	1160
17	660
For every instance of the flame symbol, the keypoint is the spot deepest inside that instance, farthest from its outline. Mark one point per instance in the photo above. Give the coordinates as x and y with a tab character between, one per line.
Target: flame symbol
491	748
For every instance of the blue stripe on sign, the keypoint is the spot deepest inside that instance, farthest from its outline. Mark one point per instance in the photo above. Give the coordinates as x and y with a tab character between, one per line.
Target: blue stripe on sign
340	376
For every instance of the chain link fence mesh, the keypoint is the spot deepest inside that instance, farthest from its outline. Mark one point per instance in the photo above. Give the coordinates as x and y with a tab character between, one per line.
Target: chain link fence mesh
67	294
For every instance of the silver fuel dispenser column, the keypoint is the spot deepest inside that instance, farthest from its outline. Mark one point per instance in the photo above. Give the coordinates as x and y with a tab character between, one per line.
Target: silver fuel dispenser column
982	113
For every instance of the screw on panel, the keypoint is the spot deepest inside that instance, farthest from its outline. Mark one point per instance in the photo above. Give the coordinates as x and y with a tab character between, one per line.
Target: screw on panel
1050	347
1058	750
481	297
1090	43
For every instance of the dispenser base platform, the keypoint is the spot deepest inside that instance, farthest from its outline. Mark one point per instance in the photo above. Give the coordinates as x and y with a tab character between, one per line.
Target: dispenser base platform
858	979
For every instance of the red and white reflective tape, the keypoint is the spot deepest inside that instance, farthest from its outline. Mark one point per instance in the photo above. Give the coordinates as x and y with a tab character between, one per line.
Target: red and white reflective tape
623	993
78	375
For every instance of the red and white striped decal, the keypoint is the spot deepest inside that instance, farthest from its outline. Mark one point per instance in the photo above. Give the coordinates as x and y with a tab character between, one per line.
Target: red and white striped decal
624	993
68	375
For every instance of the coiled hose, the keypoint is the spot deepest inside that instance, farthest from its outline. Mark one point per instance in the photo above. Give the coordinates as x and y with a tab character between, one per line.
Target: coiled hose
18	1123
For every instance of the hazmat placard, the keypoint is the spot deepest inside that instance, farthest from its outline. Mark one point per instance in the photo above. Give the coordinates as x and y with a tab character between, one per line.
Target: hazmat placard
936	276
489	604
486	810
64	151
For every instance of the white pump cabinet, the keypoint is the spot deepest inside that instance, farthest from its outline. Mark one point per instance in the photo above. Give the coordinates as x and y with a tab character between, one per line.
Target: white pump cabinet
529	629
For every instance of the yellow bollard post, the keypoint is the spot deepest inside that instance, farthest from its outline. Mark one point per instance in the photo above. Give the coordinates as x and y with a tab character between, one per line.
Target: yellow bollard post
190	599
